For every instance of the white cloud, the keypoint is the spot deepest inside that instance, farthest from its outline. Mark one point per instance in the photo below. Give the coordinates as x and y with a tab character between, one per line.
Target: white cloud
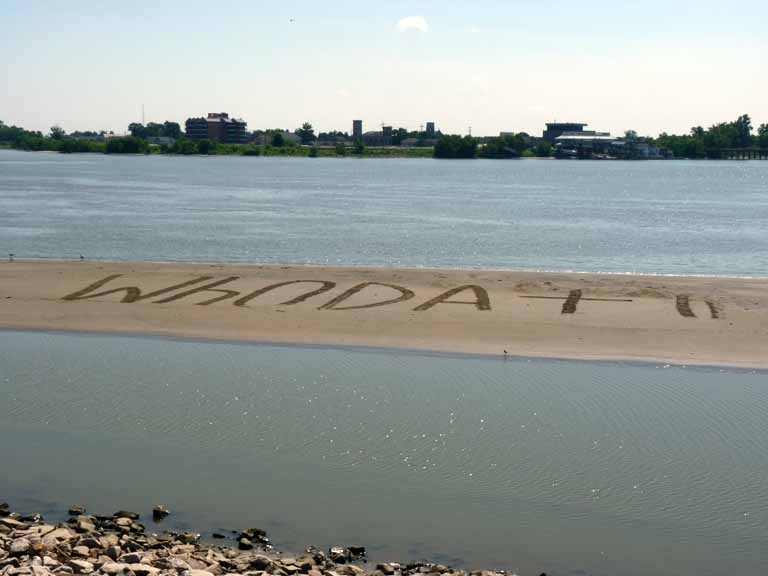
417	23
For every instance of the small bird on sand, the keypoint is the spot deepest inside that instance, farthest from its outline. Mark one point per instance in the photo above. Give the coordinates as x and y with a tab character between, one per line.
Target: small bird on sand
82	257
10	257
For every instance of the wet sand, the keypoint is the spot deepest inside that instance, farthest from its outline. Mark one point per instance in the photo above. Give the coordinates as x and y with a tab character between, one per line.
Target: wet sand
683	320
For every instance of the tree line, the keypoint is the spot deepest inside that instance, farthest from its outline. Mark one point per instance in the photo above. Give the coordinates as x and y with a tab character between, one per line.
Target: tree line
699	143
709	143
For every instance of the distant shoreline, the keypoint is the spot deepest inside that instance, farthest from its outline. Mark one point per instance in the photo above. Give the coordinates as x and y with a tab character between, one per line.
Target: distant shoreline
680	320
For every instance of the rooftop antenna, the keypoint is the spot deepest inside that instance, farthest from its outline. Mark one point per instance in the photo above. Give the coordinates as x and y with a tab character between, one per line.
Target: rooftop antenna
470	130
142	115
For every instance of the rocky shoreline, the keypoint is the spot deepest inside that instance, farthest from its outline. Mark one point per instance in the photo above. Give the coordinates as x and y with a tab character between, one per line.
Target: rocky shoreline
119	545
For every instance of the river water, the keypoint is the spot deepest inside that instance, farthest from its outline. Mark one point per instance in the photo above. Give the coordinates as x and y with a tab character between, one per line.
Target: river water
675	217
532	465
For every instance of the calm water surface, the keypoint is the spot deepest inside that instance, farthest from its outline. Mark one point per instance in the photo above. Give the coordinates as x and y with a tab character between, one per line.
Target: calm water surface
675	217
568	467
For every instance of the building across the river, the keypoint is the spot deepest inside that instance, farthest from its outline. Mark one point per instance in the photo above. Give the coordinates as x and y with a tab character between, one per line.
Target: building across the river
556	129
218	126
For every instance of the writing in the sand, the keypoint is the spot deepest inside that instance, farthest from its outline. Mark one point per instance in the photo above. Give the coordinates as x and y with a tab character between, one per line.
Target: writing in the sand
467	294
209	285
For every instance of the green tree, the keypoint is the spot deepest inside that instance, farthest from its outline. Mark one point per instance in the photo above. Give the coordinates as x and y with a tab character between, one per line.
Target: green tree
543	149
762	135
206	146
509	146
171	130
137	130
358	147
743	127
183	146
341	149
455	147
278	140
306	133
398	136
313	152
57	133
126	145
631	141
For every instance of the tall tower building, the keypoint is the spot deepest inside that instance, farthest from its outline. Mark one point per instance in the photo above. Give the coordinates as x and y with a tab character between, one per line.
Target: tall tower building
357	129
430	129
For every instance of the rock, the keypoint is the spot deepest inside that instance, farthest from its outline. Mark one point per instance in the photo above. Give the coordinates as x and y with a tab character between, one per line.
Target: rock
338	554
143	569
111	568
196	573
76	511
188	537
12	523
172	563
245	544
160	512
316	554
306	563
218	536
350	570
49	562
89	543
5	509
388	569
84	524
40	571
255	535
82	551
113	552
130	558
260	562
356	552
80	566
125	514
30	518
63	570
109	540
19	547
61	533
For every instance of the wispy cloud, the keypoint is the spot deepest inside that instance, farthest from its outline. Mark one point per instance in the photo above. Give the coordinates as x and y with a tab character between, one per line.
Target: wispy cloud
416	23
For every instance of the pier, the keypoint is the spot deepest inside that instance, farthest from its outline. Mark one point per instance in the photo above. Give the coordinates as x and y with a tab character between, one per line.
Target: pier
739	153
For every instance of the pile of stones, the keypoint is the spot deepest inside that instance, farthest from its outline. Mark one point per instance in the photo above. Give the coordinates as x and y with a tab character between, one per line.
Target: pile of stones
119	545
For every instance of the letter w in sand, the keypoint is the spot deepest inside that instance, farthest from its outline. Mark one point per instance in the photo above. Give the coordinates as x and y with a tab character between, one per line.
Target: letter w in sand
133	293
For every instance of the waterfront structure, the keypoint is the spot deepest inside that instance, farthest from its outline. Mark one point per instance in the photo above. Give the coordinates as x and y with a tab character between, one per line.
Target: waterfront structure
591	144
357	129
383	138
583	143
218	126
557	129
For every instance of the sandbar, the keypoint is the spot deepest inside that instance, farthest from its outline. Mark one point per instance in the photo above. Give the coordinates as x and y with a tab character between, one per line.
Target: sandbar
681	320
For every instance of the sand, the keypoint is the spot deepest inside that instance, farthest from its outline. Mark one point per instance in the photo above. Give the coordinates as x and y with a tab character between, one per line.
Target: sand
681	320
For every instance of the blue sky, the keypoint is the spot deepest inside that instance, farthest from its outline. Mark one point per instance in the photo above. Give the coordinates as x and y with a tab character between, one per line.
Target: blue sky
493	65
